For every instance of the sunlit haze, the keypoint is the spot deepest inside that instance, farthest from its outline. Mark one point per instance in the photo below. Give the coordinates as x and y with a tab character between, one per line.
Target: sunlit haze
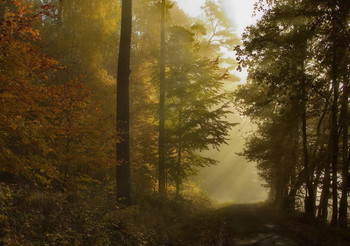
240	12
230	180
131	123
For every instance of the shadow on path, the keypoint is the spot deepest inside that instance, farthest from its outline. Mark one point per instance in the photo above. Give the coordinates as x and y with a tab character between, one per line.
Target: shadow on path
249	224
257	224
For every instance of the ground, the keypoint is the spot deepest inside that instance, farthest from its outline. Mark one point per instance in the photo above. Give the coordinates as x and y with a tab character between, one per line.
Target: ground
255	224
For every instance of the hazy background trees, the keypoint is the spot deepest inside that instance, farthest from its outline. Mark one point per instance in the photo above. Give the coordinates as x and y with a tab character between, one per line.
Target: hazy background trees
58	111
297	94
58	108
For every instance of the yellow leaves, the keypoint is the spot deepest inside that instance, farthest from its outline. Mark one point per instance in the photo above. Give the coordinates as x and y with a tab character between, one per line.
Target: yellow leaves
42	179
20	22
47	151
105	77
6	95
3	218
47	7
83	182
5	195
46	124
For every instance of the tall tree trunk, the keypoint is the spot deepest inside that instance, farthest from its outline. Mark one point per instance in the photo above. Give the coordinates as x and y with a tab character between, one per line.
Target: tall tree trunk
323	206
178	171
161	146
122	146
343	206
319	169
322	213
290	205
309	195
309	199
278	186
317	163
334	126
178	178
335	147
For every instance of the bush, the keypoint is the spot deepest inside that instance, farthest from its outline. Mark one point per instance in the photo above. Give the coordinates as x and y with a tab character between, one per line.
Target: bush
91	217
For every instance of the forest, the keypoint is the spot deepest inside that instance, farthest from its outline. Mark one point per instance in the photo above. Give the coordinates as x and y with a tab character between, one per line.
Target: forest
110	109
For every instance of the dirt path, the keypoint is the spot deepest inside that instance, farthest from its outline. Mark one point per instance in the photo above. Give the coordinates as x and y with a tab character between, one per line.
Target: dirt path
250	224
256	224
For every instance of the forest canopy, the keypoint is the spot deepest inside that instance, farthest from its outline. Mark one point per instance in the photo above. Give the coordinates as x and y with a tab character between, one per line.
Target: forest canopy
107	108
297	56
59	116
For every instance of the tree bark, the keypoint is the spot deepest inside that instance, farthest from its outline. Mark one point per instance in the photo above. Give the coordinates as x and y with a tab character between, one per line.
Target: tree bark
318	164
323	206
334	125
343	206
335	146
293	186
278	184
309	199
161	143
122	146
178	171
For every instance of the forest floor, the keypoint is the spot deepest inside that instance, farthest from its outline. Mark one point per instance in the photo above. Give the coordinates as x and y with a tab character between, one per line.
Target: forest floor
256	224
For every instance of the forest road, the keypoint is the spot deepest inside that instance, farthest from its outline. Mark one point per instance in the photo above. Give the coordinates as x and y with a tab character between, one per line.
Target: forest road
257	224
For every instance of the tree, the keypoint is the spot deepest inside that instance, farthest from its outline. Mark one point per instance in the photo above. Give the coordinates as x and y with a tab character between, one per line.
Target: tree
162	92
295	55
49	127
217	30
340	14
196	106
122	147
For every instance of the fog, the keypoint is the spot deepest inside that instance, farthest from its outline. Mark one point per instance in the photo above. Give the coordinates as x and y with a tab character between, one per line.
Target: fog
233	179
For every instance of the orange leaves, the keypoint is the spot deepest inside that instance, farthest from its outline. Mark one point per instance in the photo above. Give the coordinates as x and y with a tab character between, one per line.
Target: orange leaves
21	56
45	125
47	7
20	22
50	130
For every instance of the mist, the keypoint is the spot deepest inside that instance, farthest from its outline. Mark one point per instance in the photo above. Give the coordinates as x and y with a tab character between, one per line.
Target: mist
184	122
233	179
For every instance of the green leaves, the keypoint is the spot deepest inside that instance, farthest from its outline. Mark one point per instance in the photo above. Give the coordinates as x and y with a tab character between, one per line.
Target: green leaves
196	104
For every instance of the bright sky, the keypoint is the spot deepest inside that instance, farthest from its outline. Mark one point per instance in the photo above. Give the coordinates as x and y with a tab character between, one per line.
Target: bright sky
240	11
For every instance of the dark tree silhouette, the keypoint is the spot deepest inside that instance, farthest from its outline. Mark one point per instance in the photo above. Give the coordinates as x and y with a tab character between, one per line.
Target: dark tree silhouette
122	151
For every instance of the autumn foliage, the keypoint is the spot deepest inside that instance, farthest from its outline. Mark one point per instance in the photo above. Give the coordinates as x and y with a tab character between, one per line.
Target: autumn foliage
46	126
